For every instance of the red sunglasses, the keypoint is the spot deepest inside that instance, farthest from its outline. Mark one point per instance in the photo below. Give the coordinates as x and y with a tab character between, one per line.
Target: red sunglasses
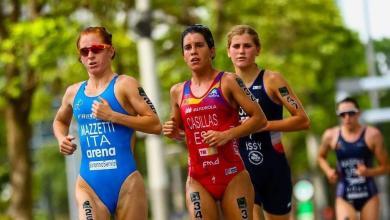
96	48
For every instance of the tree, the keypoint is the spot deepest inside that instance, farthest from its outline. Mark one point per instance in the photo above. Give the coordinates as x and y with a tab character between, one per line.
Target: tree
26	68
382	48
31	49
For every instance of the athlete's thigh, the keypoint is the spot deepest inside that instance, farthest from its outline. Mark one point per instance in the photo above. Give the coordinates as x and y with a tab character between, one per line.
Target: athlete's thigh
370	210
344	210
132	202
269	216
238	199
200	204
258	213
276	193
88	203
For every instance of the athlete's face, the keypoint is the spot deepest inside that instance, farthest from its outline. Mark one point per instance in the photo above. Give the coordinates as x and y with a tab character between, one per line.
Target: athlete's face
243	51
348	114
196	52
94	54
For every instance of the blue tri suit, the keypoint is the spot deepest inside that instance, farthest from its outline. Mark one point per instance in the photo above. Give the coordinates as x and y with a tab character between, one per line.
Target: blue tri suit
355	189
264	157
107	159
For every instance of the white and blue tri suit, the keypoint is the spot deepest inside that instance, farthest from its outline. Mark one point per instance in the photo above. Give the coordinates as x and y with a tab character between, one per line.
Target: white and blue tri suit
107	159
264	157
355	189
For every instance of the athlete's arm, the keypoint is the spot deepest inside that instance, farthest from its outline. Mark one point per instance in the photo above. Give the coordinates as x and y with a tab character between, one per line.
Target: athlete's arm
145	118
62	122
325	146
281	93
237	94
173	128
376	144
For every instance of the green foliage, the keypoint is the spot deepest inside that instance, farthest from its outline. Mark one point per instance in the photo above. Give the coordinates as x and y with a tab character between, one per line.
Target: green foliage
42	46
50	181
4	169
126	58
4	217
383	46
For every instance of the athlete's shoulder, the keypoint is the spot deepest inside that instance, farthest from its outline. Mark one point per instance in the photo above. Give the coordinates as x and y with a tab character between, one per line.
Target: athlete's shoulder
72	89
373	132
177	88
229	79
127	80
273	77
70	93
230	75
272	73
126	84
176	92
331	133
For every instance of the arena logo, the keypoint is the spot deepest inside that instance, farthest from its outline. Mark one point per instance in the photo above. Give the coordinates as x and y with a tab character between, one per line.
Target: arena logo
101	152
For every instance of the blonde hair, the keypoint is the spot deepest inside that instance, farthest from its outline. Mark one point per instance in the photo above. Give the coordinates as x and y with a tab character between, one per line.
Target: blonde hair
243	29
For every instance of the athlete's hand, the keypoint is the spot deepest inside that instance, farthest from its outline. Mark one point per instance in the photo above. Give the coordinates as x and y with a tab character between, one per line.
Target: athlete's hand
102	110
215	138
332	176
171	130
67	147
361	169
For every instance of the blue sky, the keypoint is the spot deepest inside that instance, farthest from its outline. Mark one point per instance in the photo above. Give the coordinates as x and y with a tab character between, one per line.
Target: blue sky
379	17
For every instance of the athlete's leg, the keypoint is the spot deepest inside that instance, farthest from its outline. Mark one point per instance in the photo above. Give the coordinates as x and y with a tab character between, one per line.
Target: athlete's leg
344	210
200	204
258	213
275	193
269	216
88	204
132	202
238	199
370	210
